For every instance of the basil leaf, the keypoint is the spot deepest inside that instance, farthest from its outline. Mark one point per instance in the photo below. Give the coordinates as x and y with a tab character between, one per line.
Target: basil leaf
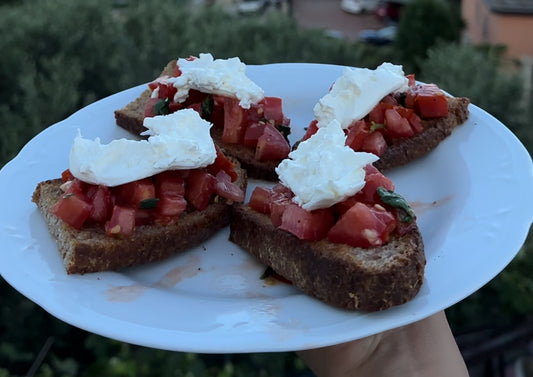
148	203
161	107
207	107
407	215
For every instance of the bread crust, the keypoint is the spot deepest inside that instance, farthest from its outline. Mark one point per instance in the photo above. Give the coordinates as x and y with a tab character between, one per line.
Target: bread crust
91	250
346	277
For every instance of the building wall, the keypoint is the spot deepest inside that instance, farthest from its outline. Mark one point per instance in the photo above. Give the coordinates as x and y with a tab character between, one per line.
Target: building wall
484	26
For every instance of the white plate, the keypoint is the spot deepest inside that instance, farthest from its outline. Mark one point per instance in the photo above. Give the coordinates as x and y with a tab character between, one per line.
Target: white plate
472	195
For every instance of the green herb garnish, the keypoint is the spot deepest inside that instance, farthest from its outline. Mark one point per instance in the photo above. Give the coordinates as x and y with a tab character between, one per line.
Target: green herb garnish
407	215
162	107
149	203
376	126
207	107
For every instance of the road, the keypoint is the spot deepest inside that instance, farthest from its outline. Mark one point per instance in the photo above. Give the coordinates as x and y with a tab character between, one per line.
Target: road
328	15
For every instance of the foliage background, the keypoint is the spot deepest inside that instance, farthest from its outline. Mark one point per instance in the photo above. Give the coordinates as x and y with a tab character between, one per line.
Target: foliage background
59	55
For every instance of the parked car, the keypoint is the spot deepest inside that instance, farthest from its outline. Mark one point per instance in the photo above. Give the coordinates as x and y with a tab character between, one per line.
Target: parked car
382	36
251	6
359	6
389	11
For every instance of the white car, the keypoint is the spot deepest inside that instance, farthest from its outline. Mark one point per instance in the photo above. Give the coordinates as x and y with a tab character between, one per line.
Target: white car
359	6
251	6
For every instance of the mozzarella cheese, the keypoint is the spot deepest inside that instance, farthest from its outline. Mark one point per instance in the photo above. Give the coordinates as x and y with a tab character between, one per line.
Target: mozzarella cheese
225	77
357	91
180	140
323	171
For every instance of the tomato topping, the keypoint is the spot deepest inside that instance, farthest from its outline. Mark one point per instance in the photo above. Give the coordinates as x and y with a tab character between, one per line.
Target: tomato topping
133	193
122	222
427	100
171	205
273	109
397	126
102	202
234	125
227	189
66	175
253	132
72	209
306	225
169	182
199	188
271	145
374	143
260	200
311	129
373	179
222	163
363	225
357	133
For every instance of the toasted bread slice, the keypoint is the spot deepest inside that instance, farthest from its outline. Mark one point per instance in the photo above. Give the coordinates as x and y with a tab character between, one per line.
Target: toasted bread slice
131	118
435	131
337	274
91	250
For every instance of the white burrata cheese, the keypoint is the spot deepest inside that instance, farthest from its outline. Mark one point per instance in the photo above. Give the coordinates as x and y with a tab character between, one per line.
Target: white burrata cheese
322	171
180	140
225	77
358	91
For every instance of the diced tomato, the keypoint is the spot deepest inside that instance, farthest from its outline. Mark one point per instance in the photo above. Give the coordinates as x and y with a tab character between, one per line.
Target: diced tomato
357	133
414	120
373	179
234	125
273	109
149	107
133	193
377	114
144	216
311	129
161	79
260	200
278	203
340	208
427	100
72	209
75	186
171	205
166	90
307	225
222	163
272	145
199	188
253	132
363	226
197	106
102	202
397	126
411	79
122	222
432	103
169	182
66	175
217	113
374	143
227	189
